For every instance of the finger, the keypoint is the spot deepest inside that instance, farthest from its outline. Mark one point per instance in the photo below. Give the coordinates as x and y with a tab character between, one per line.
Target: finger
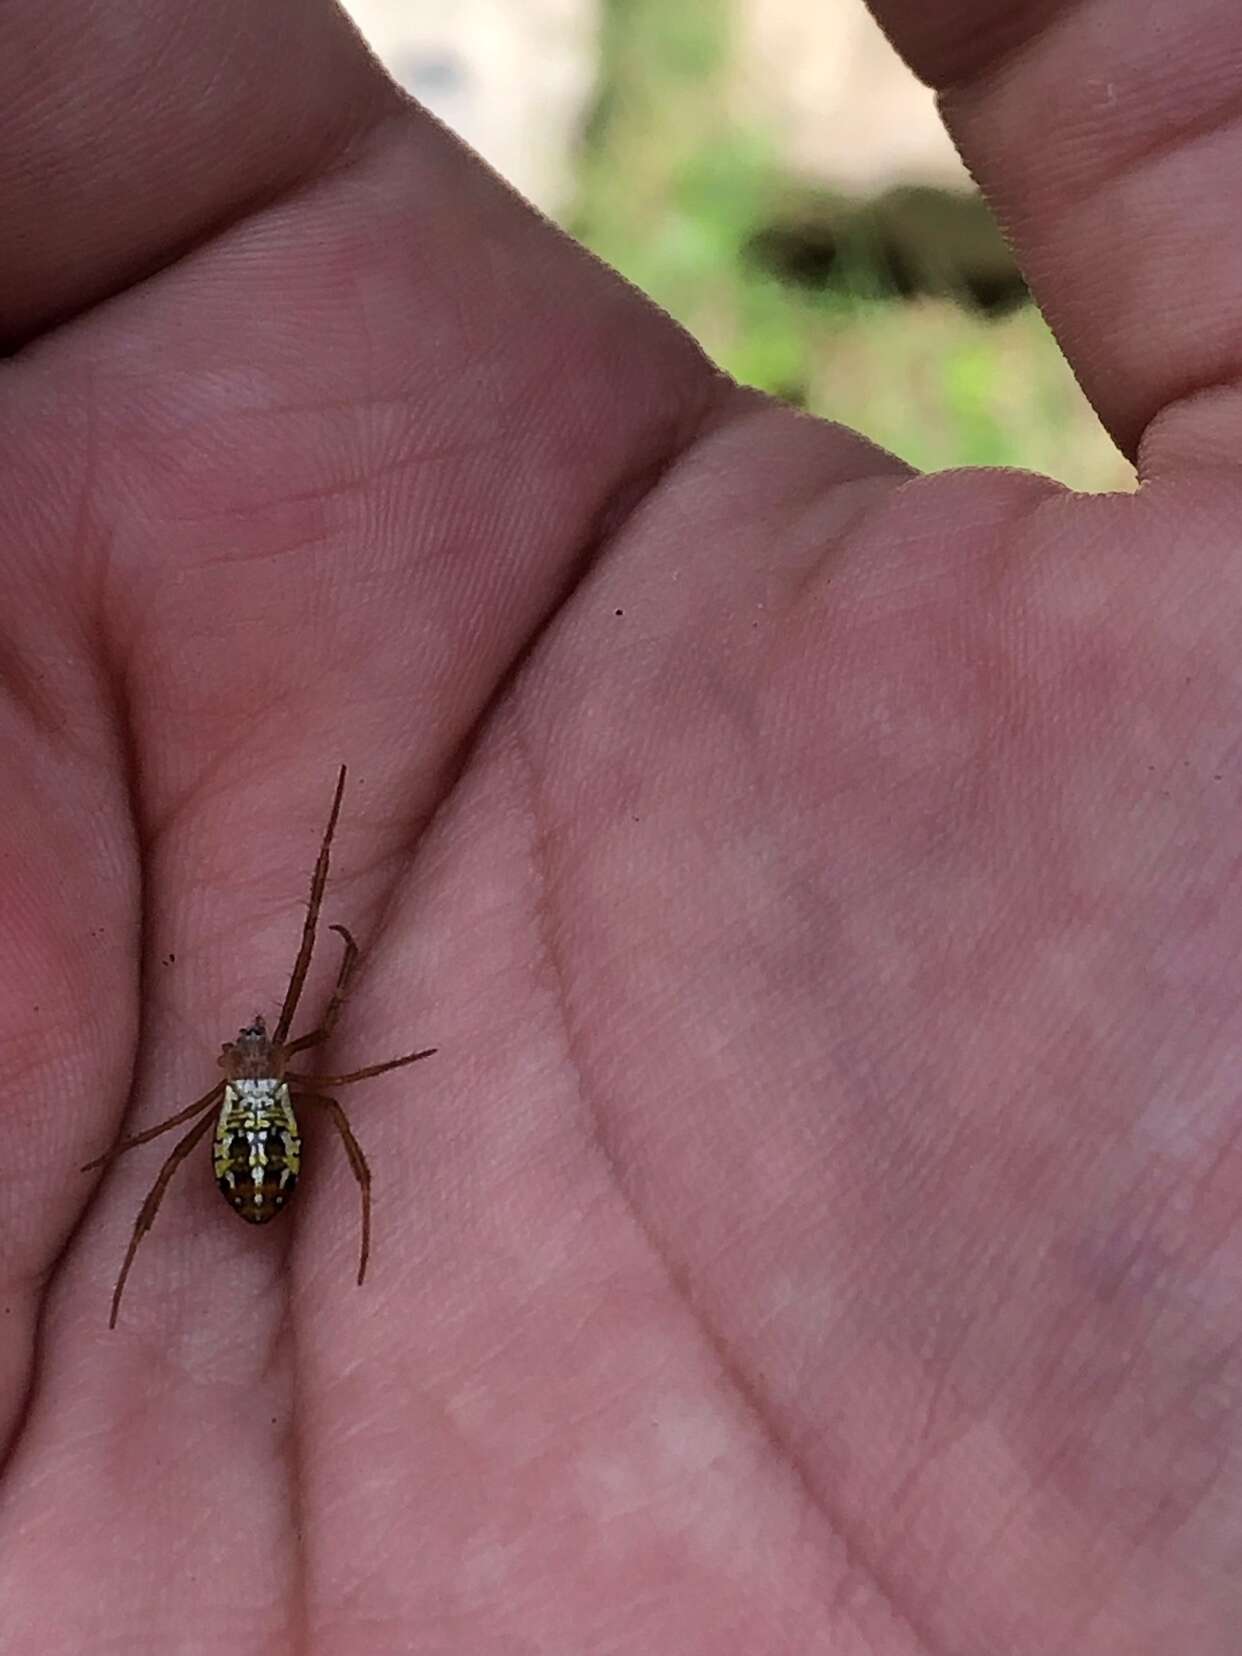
1110	153
126	134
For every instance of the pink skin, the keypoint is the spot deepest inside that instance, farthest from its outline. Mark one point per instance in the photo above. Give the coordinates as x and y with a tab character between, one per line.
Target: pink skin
821	1228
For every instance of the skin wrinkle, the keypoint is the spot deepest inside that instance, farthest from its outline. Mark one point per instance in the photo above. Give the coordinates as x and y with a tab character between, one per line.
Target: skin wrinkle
1097	115
737	1382
11	1441
631	494
337	152
623	503
295	1460
1168	398
993	45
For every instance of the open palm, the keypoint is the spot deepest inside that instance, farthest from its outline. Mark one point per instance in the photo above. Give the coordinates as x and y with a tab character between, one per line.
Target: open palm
818	1229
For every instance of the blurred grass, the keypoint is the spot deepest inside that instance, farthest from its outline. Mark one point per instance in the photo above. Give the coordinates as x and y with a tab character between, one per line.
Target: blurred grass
672	194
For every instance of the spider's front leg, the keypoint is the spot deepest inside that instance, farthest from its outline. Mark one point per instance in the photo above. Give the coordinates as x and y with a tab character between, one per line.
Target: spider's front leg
306	947
348	961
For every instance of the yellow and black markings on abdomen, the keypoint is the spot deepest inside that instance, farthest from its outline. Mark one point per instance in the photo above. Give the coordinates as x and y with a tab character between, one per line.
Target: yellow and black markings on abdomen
258	1149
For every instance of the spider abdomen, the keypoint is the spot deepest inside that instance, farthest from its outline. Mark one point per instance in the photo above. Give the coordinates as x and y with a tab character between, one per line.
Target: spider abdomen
257	1149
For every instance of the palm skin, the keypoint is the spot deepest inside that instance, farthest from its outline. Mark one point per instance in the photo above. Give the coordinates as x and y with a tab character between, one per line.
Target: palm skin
818	1230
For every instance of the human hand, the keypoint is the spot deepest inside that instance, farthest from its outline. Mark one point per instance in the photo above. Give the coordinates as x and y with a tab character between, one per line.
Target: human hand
818	1228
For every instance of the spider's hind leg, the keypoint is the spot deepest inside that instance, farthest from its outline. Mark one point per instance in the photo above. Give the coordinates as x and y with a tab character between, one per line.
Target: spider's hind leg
149	1209
358	1166
122	1145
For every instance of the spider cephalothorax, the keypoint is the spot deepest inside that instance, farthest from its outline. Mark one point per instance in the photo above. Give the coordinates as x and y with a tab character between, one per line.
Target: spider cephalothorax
254	1053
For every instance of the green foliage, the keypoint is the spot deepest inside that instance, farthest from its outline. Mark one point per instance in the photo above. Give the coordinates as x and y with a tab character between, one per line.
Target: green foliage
673	195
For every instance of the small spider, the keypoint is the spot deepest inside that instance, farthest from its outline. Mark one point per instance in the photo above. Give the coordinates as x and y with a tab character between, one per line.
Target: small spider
258	1148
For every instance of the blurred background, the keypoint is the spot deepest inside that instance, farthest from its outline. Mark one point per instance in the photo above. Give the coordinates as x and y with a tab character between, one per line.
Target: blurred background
773	176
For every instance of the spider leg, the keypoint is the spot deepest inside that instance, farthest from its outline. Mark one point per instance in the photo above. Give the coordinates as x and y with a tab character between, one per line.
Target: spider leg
318	880
359	1075
149	1209
357	1162
348	962
122	1145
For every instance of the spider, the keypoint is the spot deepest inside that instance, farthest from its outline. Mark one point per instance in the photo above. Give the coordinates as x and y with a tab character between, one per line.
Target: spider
258	1148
